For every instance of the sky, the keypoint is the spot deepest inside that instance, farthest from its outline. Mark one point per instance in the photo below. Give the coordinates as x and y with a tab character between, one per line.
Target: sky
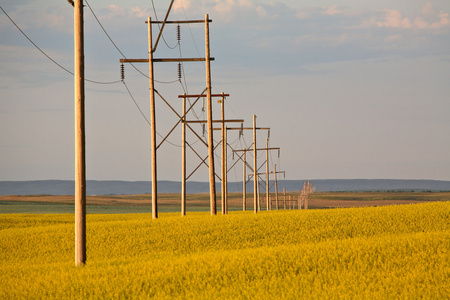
349	89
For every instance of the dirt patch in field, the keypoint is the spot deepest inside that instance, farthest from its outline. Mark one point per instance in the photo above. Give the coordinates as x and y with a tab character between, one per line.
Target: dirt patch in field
324	203
317	200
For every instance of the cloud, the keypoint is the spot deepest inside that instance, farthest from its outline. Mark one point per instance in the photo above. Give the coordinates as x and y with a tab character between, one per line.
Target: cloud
228	11
345	17
394	19
341	11
429	19
141	12
443	21
52	17
114	11
428	9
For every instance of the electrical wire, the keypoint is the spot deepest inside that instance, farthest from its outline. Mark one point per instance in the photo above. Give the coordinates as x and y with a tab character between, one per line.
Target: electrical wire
128	90
117	48
192	35
162	35
185	86
143	115
135	103
51	59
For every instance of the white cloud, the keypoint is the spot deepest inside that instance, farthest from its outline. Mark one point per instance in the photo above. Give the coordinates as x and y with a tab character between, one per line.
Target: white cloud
429	19
140	12
225	6
443	21
55	18
114	11
181	5
230	10
341	11
345	17
394	19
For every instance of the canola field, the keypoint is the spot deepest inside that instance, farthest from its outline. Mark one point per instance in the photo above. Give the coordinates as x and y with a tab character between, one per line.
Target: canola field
392	252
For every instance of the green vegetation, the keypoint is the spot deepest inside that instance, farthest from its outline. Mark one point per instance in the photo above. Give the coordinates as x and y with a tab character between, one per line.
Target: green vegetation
378	252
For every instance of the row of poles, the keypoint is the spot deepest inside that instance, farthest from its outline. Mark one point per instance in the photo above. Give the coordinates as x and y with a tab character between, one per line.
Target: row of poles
80	165
209	122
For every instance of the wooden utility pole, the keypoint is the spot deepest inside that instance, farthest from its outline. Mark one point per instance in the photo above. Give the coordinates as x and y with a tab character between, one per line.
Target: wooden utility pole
183	160
224	158
244	188
80	154
212	182
259	194
255	169
308	191
225	175
152	122
276	186
268	204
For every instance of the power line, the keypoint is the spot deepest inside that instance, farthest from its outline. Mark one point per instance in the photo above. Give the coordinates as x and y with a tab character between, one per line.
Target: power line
117	48
135	103
51	59
142	113
156	16
34	43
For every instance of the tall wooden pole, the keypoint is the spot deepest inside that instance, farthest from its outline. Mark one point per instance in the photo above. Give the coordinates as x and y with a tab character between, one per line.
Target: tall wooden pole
153	123
183	160
276	186
259	195
212	183
255	169
226	172
267	176
223	155
307	195
244	184
304	194
284	198
80	155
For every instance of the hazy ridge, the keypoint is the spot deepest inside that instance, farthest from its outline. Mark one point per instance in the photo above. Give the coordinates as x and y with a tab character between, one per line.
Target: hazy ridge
109	187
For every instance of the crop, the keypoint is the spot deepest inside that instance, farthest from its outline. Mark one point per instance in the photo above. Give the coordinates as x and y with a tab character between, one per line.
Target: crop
382	252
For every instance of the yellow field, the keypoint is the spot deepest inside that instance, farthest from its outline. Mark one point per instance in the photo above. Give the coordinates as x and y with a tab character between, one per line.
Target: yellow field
378	252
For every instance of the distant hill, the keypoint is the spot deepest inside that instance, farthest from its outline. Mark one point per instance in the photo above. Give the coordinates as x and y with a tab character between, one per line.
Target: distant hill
93	187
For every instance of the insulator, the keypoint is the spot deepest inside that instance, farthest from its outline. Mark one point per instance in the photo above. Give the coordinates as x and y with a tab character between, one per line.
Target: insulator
268	134
179	71
178	33
278	153
203	126
122	72
233	155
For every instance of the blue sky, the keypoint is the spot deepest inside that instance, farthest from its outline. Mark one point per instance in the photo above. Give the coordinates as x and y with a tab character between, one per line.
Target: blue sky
358	89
